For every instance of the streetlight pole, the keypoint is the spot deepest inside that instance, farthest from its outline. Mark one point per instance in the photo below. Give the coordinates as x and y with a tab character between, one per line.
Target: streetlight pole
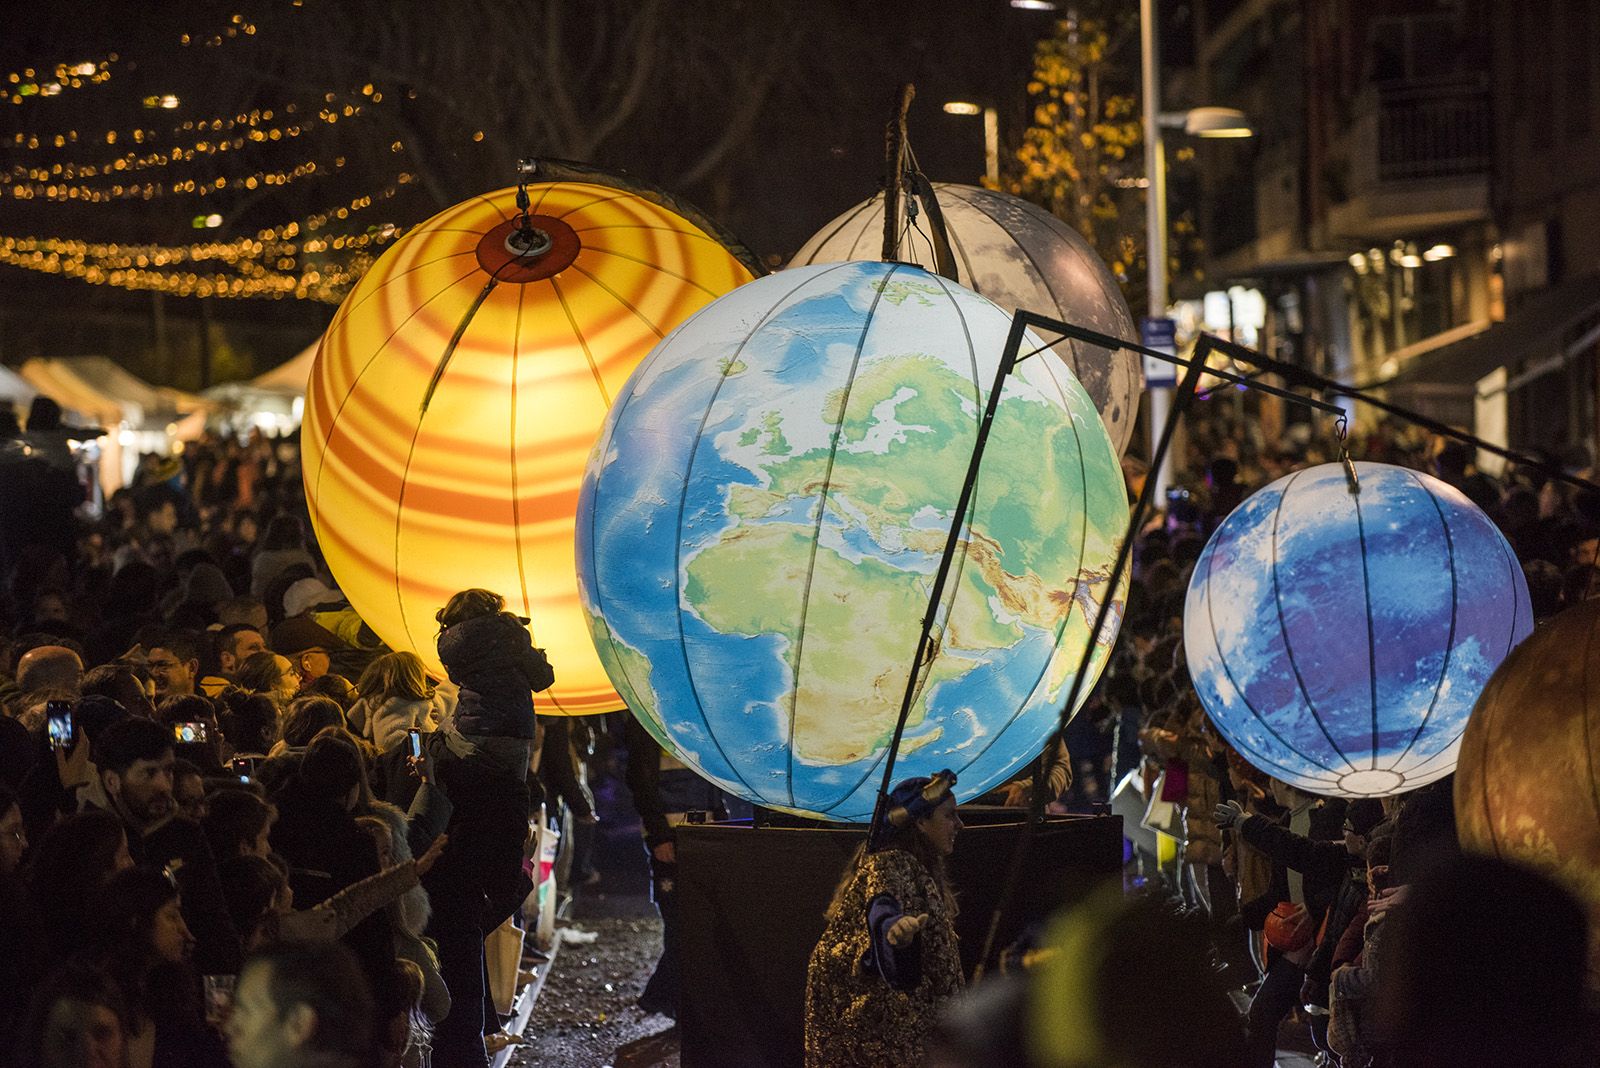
1155	167
991	146
991	134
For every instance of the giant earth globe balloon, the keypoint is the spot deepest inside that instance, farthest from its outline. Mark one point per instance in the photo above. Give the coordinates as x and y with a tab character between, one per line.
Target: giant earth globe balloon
767	505
1339	639
1527	786
1019	256
456	396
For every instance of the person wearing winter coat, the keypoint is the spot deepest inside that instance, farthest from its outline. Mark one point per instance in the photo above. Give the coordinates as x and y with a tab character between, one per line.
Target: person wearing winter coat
396	695
1310	863
480	879
490	655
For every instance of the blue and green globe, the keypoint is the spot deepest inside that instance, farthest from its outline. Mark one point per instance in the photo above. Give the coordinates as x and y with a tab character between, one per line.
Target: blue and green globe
766	506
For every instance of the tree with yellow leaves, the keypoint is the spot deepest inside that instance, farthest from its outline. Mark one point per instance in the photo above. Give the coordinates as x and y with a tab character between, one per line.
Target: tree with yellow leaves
1082	157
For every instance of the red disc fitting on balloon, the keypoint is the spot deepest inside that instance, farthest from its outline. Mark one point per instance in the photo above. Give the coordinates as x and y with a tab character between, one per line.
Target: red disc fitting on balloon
498	255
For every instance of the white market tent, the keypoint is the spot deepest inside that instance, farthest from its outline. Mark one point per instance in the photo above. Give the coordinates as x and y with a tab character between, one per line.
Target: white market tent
15	390
138	417
272	401
292	375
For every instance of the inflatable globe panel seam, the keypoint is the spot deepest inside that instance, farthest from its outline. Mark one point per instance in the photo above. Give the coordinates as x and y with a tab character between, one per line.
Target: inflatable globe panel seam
1288	645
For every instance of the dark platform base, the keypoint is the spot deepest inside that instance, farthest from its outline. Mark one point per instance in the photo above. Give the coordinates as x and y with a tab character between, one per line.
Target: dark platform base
750	905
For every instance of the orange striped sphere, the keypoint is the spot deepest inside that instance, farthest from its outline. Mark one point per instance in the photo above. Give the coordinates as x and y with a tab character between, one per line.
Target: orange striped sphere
455	398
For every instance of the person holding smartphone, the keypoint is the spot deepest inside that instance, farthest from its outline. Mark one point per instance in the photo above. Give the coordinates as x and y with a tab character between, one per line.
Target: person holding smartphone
135	760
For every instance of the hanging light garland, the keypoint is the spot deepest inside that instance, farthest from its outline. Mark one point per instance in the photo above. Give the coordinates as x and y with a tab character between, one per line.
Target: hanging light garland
299	259
197	150
329	110
28	84
262	260
64	191
322	281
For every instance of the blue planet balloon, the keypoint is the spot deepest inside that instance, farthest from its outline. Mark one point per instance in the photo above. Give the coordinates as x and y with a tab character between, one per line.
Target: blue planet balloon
1339	640
767	504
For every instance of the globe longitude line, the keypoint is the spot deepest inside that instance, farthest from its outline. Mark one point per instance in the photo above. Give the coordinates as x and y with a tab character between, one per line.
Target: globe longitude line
343	314
1513	569
816	532
1450	639
1038	274
1283	626
1372	645
631	698
959	564
591	204
511	444
960	248
1083	547
846	221
543	194
655	267
355	382
620	299
333	423
683	499
966	545
1216	641
503	216
583	342
1415	770
416	433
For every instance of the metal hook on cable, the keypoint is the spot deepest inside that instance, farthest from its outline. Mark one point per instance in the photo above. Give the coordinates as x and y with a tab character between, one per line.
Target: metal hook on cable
1341	429
526	240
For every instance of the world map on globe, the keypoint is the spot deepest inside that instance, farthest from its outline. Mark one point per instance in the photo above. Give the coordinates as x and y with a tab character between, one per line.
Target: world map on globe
765	510
1339	640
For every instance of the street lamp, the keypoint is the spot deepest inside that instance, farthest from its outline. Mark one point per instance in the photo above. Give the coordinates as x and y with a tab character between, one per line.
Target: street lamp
1209	122
991	134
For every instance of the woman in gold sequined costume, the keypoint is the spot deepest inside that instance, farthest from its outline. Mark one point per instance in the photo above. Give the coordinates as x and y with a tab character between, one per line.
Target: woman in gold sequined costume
888	958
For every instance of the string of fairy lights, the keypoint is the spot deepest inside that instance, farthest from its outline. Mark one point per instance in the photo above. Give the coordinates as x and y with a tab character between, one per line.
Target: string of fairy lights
272	263
21	85
316	257
186	153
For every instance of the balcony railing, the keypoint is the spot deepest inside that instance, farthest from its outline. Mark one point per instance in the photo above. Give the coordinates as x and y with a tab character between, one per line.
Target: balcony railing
1434	132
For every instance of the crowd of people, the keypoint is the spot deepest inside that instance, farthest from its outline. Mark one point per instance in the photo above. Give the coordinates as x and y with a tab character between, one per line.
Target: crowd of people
1357	926
236	828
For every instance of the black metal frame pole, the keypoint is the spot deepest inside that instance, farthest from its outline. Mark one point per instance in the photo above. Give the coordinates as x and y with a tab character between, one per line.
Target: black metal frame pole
1181	399
1020	323
1311	380
1008	361
1107	341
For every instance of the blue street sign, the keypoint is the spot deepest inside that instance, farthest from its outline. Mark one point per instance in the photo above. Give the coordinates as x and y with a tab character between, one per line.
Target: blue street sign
1160	334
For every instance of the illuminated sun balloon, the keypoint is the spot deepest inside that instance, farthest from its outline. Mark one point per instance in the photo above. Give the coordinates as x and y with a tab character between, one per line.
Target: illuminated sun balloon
457	393
766	508
1019	256
1339	640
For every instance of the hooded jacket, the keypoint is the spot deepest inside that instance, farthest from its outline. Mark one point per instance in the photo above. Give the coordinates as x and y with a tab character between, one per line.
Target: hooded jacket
493	660
384	723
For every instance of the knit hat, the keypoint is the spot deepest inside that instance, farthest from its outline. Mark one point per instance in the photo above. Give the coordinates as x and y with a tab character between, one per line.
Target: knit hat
911	800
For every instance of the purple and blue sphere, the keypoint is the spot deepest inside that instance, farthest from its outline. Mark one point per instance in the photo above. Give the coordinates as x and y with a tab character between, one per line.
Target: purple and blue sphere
1339	640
